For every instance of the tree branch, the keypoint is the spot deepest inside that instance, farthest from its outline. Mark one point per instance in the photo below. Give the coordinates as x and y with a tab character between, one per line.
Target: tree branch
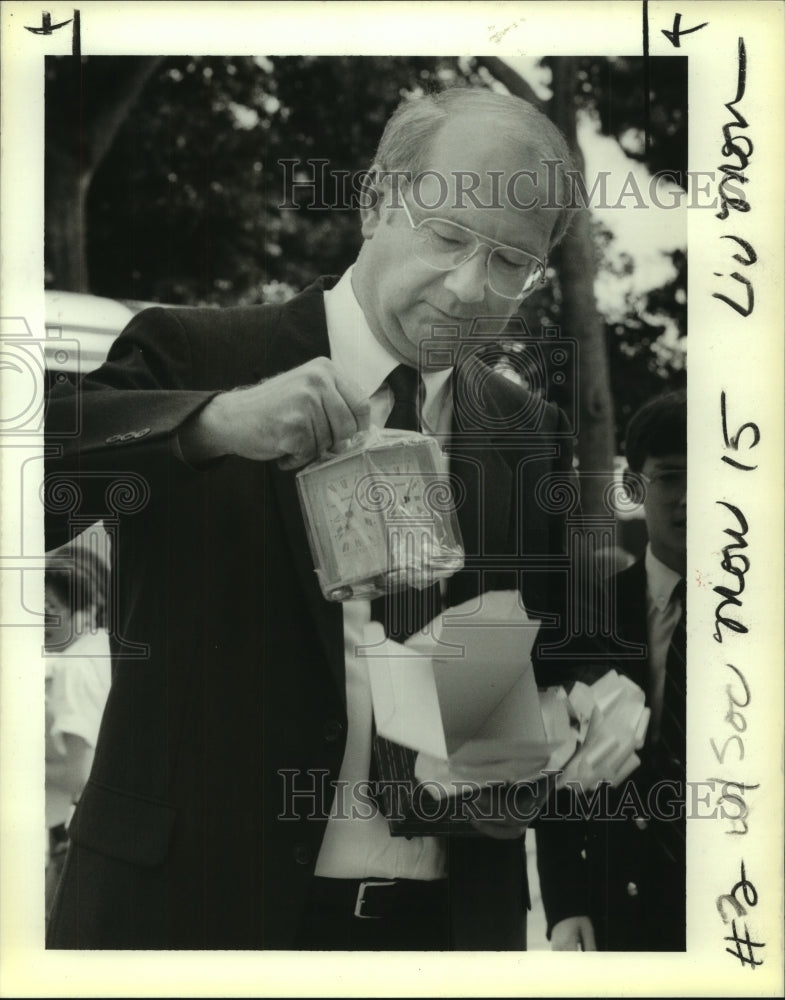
513	81
112	101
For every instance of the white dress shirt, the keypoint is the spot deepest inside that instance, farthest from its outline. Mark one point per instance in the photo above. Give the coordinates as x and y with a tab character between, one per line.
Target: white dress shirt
360	846
662	615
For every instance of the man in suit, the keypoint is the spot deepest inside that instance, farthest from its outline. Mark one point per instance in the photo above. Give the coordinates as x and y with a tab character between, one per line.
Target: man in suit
617	882
238	703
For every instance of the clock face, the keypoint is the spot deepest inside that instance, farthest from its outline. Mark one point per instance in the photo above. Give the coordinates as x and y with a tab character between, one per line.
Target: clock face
370	523
355	531
407	481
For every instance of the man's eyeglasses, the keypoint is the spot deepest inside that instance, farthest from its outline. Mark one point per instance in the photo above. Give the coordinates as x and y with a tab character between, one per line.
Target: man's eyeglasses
445	245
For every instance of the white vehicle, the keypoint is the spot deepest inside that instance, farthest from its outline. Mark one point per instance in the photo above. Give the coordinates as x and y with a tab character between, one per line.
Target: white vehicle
80	329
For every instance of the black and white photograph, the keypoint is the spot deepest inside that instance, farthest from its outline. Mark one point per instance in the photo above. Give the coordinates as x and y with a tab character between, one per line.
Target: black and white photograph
380	634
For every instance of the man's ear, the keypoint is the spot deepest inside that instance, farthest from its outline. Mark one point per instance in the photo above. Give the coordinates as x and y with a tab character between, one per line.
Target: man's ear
374	200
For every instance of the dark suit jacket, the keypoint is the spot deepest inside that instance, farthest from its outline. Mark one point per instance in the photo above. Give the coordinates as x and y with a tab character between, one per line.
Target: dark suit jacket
614	870
228	665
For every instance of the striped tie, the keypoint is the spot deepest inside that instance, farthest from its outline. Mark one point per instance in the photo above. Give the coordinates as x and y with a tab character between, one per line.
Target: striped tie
673	728
672	749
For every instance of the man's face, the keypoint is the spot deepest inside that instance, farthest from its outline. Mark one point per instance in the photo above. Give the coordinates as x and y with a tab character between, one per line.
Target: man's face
665	507
403	298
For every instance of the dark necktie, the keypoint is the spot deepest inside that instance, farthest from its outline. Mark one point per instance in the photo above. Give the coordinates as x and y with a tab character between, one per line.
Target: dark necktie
401	613
406	611
673	725
405	383
672	750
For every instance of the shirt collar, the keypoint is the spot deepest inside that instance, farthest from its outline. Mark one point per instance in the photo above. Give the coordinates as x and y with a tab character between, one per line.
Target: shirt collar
354	349
660	579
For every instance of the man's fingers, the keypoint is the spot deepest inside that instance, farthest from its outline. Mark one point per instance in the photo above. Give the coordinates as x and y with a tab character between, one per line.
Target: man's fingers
340	406
341	420
573	934
289	462
587	935
325	408
566	935
357	400
295	416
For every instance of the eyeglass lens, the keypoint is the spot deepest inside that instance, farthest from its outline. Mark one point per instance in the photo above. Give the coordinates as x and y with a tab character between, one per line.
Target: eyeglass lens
511	272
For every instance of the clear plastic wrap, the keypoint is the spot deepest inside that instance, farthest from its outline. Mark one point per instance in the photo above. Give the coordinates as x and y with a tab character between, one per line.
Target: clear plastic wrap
380	515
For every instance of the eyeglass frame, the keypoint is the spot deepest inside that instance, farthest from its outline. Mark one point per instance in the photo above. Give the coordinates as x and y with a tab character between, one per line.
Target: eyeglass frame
481	240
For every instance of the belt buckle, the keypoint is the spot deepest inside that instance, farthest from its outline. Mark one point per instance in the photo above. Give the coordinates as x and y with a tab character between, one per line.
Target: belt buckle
358	906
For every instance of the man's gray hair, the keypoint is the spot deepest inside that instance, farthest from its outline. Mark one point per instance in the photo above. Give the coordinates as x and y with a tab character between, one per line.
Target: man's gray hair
407	140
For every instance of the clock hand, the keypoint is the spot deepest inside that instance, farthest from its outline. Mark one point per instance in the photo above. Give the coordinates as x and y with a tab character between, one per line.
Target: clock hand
410	488
349	511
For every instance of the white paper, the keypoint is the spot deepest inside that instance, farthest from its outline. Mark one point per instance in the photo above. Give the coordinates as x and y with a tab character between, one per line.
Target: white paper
466	678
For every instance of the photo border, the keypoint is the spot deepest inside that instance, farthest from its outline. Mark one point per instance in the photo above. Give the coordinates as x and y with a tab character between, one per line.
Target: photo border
729	353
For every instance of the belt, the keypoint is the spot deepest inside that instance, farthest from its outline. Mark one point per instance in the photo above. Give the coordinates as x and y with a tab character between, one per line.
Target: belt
371	899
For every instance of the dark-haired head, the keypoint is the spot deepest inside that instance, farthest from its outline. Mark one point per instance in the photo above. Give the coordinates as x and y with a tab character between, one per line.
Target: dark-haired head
75	583
657	457
658	428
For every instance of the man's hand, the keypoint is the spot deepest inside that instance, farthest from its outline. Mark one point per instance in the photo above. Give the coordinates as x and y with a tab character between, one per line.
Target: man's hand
293	418
505	812
573	934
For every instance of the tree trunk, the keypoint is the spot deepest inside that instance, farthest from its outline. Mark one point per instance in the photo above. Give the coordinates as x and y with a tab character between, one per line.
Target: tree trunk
580	318
65	226
86	103
582	321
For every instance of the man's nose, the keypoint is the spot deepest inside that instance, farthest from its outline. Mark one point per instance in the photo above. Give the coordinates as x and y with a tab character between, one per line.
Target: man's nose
468	281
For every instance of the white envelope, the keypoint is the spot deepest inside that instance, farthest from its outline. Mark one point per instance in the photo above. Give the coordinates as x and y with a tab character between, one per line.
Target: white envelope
466	681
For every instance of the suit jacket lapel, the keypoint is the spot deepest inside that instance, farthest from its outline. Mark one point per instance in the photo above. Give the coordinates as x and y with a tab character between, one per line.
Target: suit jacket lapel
483	490
631	619
300	335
